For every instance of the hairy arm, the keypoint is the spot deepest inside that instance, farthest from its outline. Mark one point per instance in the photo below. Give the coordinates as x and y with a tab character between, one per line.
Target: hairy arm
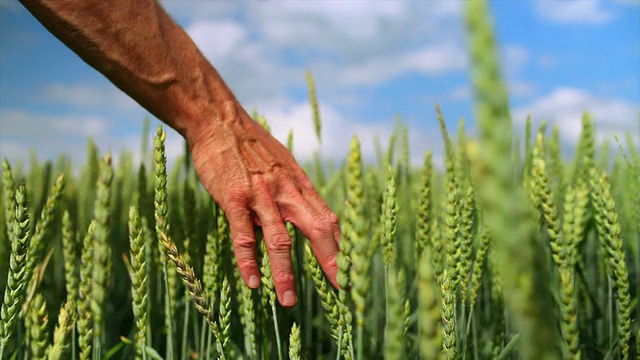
255	179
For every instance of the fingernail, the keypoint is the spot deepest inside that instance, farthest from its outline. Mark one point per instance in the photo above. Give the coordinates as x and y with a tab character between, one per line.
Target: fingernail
289	298
254	282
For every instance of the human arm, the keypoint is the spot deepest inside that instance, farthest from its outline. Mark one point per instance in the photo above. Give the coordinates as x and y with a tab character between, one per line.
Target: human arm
255	179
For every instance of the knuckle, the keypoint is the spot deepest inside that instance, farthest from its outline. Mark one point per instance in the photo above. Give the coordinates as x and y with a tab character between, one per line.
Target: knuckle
321	225
279	243
283	277
244	241
333	217
290	190
237	196
303	179
330	260
247	265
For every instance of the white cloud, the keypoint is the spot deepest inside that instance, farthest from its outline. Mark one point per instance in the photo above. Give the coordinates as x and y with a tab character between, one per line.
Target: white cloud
337	132
88	96
573	11
13	150
432	60
50	135
521	88
89	126
218	39
463	92
516	58
263	48
565	107
191	10
269	45
336	129
546	61
356	20
47	135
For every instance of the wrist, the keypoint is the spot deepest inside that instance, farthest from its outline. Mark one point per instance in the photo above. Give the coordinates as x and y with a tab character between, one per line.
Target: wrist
206	106
219	124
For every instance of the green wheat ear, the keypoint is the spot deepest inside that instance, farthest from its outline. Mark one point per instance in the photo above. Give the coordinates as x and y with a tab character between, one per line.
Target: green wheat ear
264	123
388	219
294	342
38	326
586	151
225	313
544	199
248	319
70	251
476	275
315	108
394	344
506	209
290	141
424	216
101	251
43	228
429	314
448	316
193	286
613	250
83	309
16	287
328	297
62	332
9	195
139	286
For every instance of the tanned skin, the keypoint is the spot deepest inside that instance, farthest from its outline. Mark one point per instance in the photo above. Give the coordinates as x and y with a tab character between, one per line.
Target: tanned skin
251	175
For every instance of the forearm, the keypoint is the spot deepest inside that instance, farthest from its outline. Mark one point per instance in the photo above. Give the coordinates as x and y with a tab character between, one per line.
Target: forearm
143	52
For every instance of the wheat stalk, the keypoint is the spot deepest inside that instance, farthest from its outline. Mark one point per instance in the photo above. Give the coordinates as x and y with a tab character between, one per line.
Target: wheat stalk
294	342
9	195
61	335
394	346
430	335
161	212
328	298
505	207
83	309
612	249
315	108
43	229
139	288
101	252
15	290
38	327
424	217
194	287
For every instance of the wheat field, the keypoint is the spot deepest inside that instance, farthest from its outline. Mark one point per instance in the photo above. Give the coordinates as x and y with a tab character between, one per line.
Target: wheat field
509	252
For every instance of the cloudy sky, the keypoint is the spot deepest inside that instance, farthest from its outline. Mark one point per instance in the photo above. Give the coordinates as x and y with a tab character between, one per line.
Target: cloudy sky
372	61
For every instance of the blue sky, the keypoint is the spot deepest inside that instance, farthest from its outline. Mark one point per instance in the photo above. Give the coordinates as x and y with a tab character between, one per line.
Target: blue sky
372	61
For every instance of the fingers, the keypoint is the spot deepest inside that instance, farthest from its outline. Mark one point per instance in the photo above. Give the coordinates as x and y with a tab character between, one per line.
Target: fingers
278	245
319	229
244	245
311	195
314	199
270	207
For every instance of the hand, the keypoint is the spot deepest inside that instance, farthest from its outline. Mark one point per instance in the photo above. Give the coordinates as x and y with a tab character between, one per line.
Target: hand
256	181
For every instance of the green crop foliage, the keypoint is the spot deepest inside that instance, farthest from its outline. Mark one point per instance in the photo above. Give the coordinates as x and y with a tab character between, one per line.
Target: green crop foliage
498	254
